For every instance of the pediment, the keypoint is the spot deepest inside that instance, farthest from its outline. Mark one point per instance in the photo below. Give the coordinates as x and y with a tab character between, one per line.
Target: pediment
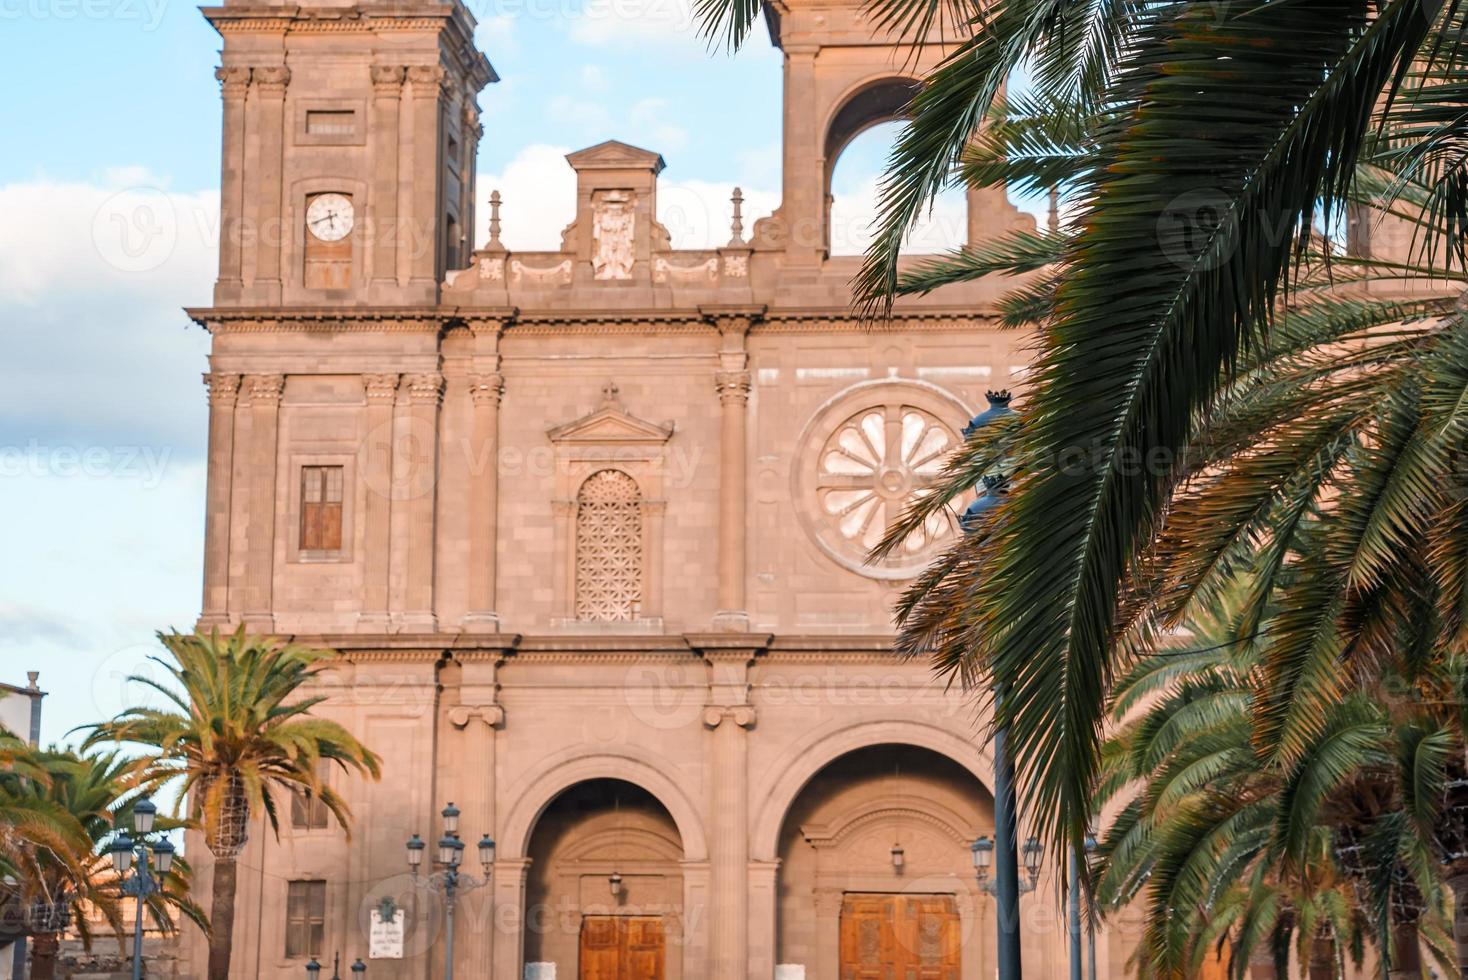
611	423
616	155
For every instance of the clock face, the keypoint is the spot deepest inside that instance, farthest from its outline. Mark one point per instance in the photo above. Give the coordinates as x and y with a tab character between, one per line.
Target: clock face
330	217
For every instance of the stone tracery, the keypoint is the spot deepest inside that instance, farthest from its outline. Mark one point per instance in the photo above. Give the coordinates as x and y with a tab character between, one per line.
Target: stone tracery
609	548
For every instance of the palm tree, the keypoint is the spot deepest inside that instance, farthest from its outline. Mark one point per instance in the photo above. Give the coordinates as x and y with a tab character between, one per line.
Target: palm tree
1221	135
1354	839
238	732
96	792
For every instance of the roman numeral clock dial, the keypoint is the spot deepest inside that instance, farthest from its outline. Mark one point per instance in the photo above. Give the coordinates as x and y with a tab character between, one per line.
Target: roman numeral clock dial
330	217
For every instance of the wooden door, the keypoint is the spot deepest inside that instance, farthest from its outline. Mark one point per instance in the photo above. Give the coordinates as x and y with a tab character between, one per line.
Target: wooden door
622	947
899	937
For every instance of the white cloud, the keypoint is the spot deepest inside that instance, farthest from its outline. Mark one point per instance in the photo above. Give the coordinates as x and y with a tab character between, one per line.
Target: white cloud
593	79
538	187
92	281
587	115
495	36
619	21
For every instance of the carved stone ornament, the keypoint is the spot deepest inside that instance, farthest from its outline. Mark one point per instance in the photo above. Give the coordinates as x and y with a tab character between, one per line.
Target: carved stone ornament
223	388
612	227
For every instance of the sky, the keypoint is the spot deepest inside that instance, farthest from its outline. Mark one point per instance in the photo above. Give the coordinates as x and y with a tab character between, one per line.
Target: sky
111	112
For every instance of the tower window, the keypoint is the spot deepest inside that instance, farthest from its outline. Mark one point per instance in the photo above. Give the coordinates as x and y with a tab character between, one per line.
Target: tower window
609	548
321	509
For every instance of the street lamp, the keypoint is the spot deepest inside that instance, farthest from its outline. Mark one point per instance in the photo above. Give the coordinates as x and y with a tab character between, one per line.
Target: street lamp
983	855
1007	886
449	879
313	969
149	860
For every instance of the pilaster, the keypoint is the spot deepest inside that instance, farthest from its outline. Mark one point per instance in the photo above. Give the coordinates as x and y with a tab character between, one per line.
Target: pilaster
486	391
223	394
732	384
425	83
265	393
415	460
381	391
387	93
234	84
267	96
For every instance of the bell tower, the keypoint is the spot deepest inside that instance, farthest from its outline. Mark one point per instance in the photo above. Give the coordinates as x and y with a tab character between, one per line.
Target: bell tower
843	76
348	153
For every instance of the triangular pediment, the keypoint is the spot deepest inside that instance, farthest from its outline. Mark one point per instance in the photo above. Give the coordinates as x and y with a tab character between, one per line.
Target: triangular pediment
616	155
611	423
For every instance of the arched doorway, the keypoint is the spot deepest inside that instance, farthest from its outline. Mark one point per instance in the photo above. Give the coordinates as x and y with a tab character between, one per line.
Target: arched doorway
875	874
604	891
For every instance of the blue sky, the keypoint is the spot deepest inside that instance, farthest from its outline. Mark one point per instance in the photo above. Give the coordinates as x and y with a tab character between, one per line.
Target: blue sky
102	415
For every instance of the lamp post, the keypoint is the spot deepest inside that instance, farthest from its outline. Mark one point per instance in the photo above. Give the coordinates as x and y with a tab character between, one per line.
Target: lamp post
1090	928
150	861
1007	888
983	851
449	879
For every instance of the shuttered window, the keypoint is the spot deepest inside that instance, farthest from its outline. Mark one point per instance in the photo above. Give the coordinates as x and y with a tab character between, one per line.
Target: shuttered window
321	509
305	918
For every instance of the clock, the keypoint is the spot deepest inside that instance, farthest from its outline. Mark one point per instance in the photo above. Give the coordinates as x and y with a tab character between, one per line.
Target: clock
330	217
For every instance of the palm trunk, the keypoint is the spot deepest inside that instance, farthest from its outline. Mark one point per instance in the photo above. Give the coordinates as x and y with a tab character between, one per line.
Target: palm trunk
1406	952
45	946
1459	884
221	917
1261	964
1322	959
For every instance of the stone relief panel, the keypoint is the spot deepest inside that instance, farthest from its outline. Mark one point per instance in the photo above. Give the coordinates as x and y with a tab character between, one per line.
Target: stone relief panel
860	462
612	231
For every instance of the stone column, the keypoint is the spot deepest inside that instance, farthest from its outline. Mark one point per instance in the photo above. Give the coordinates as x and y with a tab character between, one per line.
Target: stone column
486	390
265	392
387	91
801	205
764	877
509	918
471	784
223	393
374	461
425	213
653	512
234	83
729	840
732	384
420	483
269	229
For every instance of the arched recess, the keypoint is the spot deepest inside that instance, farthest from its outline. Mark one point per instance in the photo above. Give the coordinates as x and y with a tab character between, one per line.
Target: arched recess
870	103
805	758
538	788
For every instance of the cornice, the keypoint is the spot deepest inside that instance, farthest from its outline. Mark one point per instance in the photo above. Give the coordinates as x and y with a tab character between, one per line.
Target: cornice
691	321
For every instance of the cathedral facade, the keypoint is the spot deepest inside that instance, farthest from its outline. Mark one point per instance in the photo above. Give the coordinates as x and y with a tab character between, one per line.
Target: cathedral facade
588	530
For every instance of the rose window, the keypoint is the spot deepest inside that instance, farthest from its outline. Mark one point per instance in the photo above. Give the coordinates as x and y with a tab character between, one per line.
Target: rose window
862	459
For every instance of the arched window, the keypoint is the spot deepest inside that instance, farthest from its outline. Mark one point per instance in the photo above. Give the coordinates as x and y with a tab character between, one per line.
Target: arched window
609	548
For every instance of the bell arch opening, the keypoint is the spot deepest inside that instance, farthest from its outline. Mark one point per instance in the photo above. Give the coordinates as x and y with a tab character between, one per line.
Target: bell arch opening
858	145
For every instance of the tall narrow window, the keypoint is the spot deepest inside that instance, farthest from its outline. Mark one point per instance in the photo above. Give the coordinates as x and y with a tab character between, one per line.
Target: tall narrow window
305	918
307	810
321	509
609	548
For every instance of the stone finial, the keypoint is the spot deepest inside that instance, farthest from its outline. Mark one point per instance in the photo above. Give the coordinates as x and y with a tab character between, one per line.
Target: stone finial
494	218
33	678
736	227
611	394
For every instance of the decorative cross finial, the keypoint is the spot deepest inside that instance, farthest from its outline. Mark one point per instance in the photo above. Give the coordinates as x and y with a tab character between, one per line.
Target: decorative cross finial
610	393
1054	220
494	217
736	227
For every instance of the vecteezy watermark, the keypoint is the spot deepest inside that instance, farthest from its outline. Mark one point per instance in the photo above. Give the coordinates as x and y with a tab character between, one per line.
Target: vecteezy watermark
149	13
146	464
135	230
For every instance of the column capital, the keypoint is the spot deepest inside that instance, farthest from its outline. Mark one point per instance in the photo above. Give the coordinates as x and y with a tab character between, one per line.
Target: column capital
266	388
271	80
732	386
424	388
487	389
224	389
426	79
492	715
380	387
387	80
233	81
742	715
